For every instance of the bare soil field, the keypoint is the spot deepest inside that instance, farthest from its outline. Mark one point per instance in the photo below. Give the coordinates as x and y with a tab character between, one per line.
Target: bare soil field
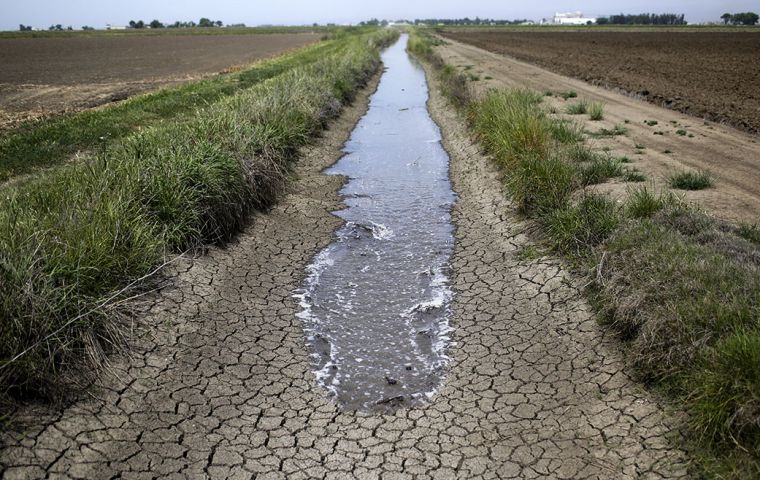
706	74
44	76
674	142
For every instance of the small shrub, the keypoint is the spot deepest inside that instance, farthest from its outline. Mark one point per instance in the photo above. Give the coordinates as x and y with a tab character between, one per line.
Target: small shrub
596	111
568	94
691	180
651	123
681	132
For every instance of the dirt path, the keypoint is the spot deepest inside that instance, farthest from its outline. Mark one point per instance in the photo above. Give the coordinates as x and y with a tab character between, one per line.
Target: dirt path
222	387
732	156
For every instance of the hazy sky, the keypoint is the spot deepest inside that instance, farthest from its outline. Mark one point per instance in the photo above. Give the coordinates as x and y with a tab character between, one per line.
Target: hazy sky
97	13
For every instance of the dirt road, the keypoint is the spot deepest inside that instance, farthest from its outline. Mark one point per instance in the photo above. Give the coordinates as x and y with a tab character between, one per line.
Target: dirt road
703	73
221	387
732	156
43	76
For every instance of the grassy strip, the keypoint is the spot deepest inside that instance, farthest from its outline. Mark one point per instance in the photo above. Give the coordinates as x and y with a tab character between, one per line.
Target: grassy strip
72	237
682	289
48	142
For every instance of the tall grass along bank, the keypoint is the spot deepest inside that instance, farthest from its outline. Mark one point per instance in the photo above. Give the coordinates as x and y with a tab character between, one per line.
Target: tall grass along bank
77	240
41	144
680	288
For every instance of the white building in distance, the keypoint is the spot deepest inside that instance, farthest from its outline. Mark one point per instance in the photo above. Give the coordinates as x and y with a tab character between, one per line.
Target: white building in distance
572	18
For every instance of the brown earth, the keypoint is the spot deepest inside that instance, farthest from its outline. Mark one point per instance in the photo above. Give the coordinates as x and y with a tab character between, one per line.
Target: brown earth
220	385
731	155
44	76
714	75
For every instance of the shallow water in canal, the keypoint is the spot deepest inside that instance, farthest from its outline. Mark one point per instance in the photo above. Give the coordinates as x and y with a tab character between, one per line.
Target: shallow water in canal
376	302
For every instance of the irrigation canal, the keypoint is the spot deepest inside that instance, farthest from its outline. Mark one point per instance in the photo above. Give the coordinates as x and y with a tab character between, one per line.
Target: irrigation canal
376	302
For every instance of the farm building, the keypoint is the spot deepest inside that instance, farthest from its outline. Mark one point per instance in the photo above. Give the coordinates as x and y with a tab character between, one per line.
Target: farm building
572	18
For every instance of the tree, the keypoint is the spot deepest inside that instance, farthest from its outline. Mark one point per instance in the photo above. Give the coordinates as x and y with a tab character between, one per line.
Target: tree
746	18
87	27
137	24
24	28
205	22
156	24
743	18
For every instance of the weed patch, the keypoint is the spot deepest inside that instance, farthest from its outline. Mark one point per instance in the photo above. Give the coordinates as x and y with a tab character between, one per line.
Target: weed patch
596	111
689	180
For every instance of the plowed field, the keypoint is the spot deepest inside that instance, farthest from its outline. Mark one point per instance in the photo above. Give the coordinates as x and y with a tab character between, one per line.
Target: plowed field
707	74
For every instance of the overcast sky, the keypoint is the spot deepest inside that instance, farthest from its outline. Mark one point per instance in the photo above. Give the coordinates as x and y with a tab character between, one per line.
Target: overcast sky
97	13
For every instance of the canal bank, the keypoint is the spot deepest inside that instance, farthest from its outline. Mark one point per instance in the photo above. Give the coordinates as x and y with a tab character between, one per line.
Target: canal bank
224	387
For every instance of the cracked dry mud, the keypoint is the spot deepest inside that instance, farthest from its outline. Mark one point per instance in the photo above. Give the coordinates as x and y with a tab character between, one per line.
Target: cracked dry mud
221	386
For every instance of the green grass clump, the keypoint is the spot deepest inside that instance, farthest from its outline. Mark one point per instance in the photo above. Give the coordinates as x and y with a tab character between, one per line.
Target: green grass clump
78	239
568	94
600	170
681	132
519	135
749	232
596	111
725	397
651	123
578	108
565	131
690	180
575	230
541	184
581	153
689	307
511	126
643	202
633	175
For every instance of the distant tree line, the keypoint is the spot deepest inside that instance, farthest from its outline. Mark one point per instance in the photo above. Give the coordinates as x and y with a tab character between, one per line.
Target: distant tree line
447	21
746	18
58	27
643	19
203	23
